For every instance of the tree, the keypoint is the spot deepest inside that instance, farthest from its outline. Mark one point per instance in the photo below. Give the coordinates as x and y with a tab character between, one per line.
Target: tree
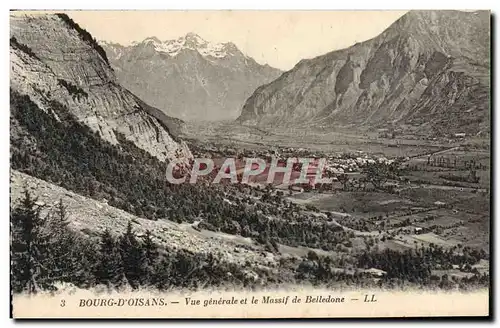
84	262
344	179
162	276
378	173
45	251
150	257
70	257
132	256
109	270
473	177
60	260
183	267
28	246
312	256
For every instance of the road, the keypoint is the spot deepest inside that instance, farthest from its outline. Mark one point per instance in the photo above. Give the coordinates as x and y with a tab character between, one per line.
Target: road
435	152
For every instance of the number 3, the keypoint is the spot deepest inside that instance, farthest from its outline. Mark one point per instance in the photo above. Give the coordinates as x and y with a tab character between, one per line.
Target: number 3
63	303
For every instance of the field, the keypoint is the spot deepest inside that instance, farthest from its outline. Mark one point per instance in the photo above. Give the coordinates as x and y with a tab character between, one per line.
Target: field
362	204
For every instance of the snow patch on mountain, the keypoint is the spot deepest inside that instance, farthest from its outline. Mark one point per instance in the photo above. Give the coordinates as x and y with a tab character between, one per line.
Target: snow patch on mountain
191	41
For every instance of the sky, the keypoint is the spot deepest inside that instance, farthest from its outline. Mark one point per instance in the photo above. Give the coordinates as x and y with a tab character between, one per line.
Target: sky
278	38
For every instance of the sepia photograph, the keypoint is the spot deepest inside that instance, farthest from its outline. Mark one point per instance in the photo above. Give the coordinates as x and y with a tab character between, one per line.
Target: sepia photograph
250	164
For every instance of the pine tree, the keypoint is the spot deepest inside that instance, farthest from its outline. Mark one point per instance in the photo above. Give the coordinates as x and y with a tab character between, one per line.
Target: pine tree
60	260
183	267
83	261
71	258
132	257
109	270
28	246
150	258
162	276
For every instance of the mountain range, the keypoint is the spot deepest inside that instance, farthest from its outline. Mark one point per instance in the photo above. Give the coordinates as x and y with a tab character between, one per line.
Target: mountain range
189	77
428	73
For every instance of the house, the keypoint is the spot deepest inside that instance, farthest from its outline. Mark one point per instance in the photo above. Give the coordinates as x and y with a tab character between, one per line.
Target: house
459	135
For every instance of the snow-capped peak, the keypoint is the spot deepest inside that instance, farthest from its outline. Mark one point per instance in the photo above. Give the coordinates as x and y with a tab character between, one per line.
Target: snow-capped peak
194	42
152	39
194	38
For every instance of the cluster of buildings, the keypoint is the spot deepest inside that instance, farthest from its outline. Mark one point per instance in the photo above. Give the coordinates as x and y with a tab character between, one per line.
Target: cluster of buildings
353	164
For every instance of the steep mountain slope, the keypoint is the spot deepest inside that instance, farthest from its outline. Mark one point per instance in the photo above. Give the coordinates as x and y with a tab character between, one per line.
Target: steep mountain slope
428	72
54	60
189	77
92	217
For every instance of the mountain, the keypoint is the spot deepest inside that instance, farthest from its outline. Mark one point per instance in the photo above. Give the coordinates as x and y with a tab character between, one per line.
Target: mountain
189	78
73	125
57	64
428	73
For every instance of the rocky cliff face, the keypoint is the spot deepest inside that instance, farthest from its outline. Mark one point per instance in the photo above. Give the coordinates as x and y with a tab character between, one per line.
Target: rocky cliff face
428	72
189	78
53	59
